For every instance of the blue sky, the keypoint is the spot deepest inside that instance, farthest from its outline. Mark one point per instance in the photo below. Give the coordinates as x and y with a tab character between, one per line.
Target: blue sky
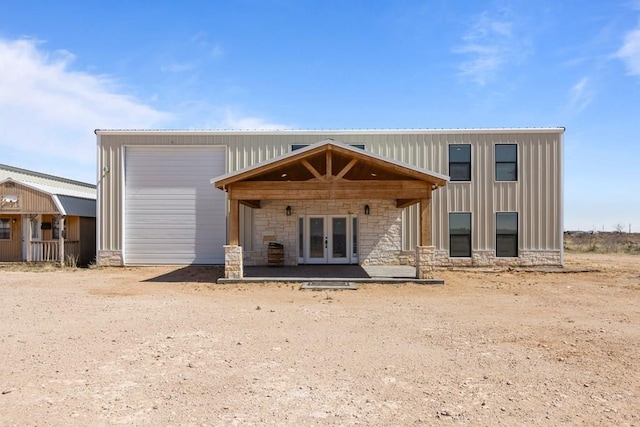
69	67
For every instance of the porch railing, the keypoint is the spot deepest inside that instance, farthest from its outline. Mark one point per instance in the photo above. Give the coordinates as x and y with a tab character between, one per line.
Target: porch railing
49	250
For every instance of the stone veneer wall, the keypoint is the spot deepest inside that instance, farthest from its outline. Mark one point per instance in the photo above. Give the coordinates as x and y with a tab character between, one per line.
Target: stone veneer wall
109	259
488	258
380	232
233	267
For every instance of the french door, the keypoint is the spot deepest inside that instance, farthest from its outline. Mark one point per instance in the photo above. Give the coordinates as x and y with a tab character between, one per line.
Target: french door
328	239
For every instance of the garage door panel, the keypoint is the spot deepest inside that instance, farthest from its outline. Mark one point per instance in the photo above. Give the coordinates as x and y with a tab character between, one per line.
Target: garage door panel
173	214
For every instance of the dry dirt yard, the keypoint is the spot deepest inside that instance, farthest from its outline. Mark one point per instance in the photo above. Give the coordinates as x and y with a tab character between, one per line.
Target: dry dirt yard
155	346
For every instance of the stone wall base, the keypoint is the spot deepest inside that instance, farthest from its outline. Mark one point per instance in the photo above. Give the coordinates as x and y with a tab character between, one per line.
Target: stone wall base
233	262
489	259
109	259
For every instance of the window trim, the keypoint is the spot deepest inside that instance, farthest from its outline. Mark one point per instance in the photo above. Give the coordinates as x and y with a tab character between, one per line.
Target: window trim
516	234
451	178
470	235
512	162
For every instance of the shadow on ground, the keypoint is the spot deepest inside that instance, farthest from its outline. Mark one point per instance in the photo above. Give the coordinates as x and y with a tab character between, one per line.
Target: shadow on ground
191	273
308	271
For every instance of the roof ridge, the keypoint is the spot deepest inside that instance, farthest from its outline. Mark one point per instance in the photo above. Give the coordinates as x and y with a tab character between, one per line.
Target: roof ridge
47	176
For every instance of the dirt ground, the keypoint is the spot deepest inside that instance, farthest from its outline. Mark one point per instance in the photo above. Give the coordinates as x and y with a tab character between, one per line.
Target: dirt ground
160	346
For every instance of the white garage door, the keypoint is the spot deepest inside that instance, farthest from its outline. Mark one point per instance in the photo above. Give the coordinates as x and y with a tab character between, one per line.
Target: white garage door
173	214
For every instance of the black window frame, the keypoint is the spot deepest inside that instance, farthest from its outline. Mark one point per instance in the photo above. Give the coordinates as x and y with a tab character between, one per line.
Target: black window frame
455	166
506	235
5	230
501	163
455	239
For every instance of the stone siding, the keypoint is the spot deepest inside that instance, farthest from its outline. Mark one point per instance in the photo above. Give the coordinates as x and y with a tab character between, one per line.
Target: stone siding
380	232
109	259
233	268
488	258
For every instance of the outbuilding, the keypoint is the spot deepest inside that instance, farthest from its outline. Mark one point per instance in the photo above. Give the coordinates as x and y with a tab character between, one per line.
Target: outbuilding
45	218
459	197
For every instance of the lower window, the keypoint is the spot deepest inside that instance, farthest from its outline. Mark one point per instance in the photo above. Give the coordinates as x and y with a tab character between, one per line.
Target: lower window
5	229
460	234
507	234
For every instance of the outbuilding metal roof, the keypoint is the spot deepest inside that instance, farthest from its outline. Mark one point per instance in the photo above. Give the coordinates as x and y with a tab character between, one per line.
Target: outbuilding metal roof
77	206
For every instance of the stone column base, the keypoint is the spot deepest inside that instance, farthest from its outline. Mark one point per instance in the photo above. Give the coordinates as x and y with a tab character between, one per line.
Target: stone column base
233	262
109	259
425	262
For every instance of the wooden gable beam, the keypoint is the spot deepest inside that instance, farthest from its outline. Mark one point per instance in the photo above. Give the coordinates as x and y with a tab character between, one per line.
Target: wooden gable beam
323	190
347	168
328	162
311	169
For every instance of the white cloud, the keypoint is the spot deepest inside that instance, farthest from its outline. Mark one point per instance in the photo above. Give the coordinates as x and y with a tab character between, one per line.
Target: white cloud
232	120
630	52
580	95
489	45
48	111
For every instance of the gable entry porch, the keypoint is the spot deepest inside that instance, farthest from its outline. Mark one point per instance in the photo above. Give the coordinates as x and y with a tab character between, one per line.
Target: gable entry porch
330	203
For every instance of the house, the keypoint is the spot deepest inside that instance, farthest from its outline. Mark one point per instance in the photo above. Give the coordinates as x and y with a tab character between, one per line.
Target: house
45	218
458	197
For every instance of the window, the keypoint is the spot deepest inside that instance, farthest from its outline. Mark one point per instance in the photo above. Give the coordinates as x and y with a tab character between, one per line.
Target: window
506	162
301	237
56	229
295	147
460	234
5	229
506	234
460	162
36	232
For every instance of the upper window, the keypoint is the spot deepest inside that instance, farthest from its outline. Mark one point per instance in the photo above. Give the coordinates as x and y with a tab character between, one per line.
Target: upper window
460	234
5	229
460	162
295	147
506	162
507	234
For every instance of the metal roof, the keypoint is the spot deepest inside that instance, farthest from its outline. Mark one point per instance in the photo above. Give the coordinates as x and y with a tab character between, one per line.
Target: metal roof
77	206
68	201
24	174
325	131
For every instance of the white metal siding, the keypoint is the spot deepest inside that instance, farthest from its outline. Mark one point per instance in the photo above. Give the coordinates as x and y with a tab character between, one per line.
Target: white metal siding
536	196
173	215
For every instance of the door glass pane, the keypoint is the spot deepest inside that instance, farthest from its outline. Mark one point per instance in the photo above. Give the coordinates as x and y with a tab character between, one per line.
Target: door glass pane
354	233
339	237
300	237
35	229
316	238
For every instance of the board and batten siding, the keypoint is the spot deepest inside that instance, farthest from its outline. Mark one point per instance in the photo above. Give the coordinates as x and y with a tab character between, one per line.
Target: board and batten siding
536	196
31	201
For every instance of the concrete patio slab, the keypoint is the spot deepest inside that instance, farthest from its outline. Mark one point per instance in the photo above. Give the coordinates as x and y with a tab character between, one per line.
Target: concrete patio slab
332	273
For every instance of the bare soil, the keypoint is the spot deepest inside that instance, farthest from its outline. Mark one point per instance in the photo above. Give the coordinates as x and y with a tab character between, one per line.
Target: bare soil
168	346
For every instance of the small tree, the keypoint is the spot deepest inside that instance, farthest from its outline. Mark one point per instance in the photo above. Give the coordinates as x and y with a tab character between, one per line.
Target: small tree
619	227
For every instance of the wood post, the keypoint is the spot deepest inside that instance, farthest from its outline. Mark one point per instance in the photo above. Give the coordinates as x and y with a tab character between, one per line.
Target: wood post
61	226
425	222
234	222
28	220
